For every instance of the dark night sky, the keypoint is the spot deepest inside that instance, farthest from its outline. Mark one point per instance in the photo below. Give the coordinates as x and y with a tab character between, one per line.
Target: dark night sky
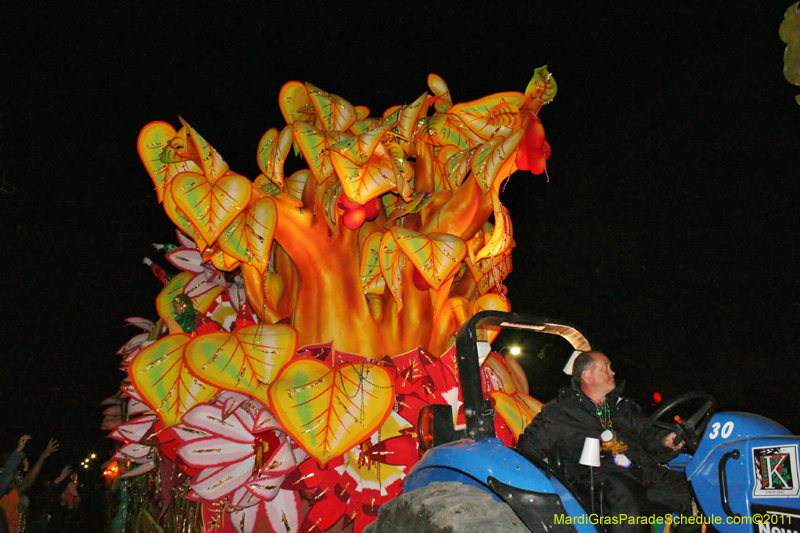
667	227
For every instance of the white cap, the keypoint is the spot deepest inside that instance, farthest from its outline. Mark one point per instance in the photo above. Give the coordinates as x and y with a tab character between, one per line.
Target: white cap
590	456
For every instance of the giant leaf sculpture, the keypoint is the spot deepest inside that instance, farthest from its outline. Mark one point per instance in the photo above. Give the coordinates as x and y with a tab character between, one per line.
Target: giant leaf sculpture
246	360
328	410
160	375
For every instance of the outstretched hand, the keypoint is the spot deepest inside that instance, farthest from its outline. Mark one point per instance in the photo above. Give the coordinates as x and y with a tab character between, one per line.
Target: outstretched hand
67	470
22	441
52	446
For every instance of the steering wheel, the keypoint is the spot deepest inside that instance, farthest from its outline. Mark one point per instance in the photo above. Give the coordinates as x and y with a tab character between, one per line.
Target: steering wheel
692	428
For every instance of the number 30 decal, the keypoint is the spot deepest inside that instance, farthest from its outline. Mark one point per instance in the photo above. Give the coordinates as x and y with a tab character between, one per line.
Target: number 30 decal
727	429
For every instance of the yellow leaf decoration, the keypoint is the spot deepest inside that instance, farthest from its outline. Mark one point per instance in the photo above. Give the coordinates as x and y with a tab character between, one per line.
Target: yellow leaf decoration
443	168
391	259
436	256
153	139
491	115
517	410
498	374
362	112
249	237
295	103
337	114
517	373
488	273
246	361
180	219
438	87
363	183
446	129
494	160
403	170
296	183
329	410
366	124
542	86
360	148
314	144
210	206
490	302
502	238
208	159
160	375
220	259
177	285
272	151
370	275
407	117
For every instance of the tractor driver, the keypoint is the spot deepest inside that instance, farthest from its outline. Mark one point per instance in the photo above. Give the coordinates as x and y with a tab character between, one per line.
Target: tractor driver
634	483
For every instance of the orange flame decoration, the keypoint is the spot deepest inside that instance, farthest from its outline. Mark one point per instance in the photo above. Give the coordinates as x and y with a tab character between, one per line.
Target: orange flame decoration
368	260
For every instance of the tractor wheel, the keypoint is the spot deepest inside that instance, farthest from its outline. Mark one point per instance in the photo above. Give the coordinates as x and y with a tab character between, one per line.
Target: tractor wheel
448	507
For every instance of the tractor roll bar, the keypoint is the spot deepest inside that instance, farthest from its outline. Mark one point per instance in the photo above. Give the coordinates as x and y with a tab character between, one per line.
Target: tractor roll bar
478	412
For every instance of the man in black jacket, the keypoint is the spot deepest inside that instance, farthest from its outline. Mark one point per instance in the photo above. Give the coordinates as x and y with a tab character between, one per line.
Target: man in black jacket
634	482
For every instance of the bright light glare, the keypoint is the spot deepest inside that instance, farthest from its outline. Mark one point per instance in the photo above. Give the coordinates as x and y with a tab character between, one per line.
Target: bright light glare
516	350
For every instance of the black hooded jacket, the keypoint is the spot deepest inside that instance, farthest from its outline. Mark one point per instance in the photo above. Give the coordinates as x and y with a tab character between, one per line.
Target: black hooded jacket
565	422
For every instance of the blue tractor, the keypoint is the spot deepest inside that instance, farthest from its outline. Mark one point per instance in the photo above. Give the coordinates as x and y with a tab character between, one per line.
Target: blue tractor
742	468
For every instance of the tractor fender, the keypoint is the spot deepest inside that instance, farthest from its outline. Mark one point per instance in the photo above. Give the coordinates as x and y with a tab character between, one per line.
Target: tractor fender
475	461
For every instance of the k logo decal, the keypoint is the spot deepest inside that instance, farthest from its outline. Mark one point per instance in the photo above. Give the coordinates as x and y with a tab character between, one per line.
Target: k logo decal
776	472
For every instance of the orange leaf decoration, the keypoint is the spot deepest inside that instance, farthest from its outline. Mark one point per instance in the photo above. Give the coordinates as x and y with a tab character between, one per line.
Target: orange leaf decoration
246	360
363	183
210	206
203	155
220	259
403	170
446	129
329	410
494	159
542	86
491	115
517	374
272	151
488	273
296	183
391	259
249	237
180	219
337	114
160	375
370	275
362	112
502	238
314	144
490	302
153	139
407	117
436	256
359	149
295	103
443	101
498	373
517	410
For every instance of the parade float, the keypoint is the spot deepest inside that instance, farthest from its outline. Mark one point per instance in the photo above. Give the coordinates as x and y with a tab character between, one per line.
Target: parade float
308	315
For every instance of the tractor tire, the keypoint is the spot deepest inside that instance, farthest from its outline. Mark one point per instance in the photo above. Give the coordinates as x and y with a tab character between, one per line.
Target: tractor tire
448	507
